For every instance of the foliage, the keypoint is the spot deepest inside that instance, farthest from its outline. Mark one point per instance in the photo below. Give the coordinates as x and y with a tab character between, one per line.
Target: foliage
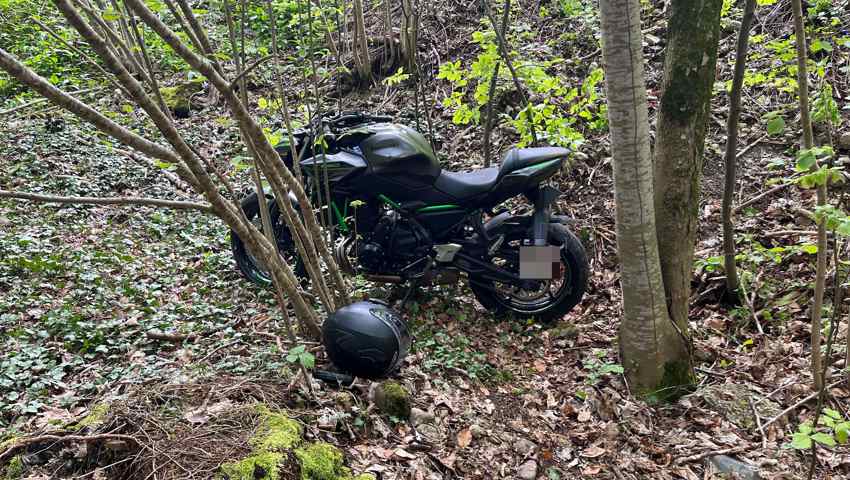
815	174
398	77
824	108
299	354
298	24
82	285
557	111
598	367
448	352
24	38
577	9
835	431
774	123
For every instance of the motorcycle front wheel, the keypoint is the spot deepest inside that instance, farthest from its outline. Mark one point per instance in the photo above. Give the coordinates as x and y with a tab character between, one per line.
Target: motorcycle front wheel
545	300
251	267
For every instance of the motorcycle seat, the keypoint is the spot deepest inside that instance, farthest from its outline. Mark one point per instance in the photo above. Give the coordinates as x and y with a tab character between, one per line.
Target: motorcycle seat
467	185
519	158
464	185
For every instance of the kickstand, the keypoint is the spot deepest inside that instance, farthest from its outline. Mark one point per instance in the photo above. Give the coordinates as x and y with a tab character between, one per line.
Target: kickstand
408	293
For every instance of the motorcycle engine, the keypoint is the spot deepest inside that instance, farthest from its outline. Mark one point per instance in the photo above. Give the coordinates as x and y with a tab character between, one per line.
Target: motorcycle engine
394	243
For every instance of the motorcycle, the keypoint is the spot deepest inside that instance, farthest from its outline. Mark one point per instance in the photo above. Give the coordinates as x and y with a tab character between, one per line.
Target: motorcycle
398	217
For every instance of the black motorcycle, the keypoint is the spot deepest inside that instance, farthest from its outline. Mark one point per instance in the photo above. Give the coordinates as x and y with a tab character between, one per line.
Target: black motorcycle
398	217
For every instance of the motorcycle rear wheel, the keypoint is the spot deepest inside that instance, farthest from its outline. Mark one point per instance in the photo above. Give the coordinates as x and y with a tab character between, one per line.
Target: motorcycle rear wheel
543	305
252	268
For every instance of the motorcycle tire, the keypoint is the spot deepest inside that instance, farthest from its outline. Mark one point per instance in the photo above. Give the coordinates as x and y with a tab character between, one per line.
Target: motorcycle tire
250	267
551	310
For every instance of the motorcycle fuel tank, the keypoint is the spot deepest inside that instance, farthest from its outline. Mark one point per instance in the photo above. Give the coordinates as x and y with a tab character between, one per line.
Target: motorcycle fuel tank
340	165
400	155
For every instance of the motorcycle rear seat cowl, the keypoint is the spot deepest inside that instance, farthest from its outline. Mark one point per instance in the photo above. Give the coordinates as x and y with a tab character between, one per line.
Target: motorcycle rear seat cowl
467	185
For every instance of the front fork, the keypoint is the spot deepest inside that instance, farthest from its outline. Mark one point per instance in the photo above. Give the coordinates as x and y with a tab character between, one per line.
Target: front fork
544	196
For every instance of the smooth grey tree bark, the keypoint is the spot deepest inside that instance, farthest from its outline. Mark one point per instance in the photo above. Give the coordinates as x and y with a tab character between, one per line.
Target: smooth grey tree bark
651	350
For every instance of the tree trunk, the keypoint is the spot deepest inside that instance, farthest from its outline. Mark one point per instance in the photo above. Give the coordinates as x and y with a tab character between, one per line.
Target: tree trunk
689	71
653	355
808	142
410	33
362	59
729	157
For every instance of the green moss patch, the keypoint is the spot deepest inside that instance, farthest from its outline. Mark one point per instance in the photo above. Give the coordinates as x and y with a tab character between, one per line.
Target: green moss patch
15	469
178	98
277	432
95	417
394	400
273	457
262	466
321	461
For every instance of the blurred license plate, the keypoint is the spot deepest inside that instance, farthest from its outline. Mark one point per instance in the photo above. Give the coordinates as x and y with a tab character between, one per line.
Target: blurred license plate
539	263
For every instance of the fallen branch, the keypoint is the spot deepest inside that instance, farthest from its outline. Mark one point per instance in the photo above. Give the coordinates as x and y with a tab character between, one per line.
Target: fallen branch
749	147
709	453
180	337
758	423
785	233
781	186
807	399
27	441
154	202
170	337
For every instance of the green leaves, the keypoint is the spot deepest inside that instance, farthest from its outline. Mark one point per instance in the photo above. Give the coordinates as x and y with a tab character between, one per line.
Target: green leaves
835	219
824	107
819	45
801	441
824	439
807	161
833	420
775	123
398	77
299	354
453	72
110	14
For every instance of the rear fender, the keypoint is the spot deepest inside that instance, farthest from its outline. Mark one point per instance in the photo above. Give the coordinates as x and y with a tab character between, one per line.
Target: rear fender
524	180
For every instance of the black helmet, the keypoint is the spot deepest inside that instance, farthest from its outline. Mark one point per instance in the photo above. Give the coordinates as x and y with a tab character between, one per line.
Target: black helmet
366	339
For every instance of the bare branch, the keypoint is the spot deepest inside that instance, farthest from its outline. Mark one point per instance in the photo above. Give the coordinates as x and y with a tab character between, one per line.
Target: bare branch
153	202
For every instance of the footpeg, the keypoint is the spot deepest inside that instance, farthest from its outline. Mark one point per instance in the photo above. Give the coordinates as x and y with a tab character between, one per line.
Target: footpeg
446	252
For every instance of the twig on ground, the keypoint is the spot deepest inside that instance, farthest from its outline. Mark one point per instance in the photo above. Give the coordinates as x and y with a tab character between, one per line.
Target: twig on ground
751	300
709	453
171	176
758	423
170	337
217	349
771	191
786	233
806	399
749	147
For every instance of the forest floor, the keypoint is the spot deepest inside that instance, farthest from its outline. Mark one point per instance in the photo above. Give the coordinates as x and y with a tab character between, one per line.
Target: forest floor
135	321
